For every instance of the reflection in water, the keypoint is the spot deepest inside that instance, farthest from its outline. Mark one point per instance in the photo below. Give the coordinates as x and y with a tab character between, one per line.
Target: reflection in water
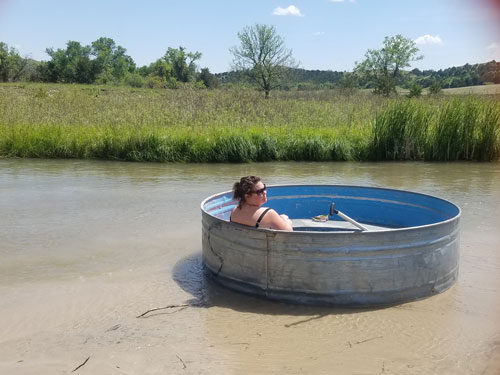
190	275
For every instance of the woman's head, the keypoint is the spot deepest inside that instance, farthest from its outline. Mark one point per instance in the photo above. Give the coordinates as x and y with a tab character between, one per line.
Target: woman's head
246	187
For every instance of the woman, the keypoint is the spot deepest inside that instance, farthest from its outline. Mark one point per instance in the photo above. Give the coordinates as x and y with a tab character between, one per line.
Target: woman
251	194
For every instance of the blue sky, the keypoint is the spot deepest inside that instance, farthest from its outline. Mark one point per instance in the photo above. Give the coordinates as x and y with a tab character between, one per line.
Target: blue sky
323	34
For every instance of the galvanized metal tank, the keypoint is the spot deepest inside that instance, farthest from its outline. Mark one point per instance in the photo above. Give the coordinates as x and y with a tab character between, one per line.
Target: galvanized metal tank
410	251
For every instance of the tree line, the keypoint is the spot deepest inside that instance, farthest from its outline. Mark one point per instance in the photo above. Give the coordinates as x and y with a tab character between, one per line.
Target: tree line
103	62
461	76
261	60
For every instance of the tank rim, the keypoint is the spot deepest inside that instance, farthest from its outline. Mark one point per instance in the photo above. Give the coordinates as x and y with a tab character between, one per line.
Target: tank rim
319	233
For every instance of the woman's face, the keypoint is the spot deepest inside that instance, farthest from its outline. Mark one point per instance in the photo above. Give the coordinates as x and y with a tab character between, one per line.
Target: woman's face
259	196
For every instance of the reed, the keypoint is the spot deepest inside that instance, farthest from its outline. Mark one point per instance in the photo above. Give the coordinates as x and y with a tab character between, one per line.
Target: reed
466	129
78	121
446	129
400	130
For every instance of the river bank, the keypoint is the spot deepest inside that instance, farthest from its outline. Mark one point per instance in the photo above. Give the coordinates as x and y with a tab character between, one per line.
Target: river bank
197	126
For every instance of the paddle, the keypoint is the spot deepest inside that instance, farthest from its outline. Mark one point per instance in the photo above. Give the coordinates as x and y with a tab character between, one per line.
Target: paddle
345	217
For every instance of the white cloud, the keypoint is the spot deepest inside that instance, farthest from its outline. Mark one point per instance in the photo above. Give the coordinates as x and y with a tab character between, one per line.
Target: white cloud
494	46
292	10
318	33
428	39
494	51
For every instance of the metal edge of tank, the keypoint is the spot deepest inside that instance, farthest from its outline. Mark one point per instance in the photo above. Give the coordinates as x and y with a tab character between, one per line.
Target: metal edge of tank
279	265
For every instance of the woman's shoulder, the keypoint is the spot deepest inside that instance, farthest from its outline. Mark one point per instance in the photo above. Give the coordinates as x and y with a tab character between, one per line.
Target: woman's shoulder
267	214
266	211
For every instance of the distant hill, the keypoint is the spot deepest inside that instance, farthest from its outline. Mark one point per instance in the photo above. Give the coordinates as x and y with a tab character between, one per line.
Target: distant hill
296	78
461	76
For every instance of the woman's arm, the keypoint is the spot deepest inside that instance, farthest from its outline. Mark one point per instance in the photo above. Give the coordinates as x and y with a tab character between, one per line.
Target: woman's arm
281	222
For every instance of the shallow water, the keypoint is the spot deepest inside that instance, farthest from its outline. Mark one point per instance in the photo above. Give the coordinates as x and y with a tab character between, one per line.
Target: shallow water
64	221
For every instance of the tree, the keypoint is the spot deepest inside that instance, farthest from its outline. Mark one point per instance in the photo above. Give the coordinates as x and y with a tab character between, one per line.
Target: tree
72	65
103	61
183	64
111	61
263	56
209	80
176	65
11	63
382	67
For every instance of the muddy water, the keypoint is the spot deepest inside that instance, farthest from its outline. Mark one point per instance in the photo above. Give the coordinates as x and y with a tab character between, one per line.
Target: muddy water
86	246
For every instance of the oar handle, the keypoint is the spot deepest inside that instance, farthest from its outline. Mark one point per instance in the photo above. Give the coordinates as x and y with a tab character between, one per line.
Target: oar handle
345	217
333	210
353	222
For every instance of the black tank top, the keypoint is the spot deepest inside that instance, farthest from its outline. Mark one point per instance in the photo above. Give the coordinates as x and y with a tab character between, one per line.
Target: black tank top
258	220
260	217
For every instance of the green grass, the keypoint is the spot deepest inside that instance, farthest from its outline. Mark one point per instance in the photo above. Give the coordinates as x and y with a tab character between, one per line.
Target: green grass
79	121
493	89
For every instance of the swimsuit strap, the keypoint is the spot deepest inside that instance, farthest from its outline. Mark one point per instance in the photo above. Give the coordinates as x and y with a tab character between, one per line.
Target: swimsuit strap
261	216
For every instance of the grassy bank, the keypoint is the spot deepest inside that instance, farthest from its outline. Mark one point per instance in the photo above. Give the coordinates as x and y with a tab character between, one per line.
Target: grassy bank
77	121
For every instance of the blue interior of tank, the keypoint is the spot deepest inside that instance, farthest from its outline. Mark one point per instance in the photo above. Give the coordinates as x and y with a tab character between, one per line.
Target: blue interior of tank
369	205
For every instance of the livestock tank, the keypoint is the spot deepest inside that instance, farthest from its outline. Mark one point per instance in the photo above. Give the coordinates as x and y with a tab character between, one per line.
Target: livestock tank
410	250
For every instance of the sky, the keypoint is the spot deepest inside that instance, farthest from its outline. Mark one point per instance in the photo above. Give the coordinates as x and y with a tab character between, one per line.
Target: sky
323	34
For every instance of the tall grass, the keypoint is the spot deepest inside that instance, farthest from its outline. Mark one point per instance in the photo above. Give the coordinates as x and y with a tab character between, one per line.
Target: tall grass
168	145
445	129
466	129
77	121
400	130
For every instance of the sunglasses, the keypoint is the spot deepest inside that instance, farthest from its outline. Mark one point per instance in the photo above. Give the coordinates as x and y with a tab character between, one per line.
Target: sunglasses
261	191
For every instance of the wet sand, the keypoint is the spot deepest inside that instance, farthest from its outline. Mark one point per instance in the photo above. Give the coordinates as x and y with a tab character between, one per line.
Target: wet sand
54	322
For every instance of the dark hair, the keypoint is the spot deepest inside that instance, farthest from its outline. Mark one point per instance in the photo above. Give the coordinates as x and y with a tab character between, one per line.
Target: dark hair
246	185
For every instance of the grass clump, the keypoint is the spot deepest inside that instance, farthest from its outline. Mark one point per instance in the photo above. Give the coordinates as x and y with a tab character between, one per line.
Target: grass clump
457	128
400	130
466	129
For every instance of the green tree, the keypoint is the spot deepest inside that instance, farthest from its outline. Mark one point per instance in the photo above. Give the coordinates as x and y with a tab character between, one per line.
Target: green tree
263	56
70	65
11	63
183	63
382	67
160	68
209	80
103	61
112	62
176	65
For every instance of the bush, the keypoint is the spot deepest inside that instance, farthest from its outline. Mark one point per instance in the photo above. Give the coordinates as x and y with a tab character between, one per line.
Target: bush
435	88
415	90
134	80
155	82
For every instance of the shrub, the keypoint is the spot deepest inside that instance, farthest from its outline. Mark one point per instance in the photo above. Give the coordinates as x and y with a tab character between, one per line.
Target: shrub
435	88
134	80
415	90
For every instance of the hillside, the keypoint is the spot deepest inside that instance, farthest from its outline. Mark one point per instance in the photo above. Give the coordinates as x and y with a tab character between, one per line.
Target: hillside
454	77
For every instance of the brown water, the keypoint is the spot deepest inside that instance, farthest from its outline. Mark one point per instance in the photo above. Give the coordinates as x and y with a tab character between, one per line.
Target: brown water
85	246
